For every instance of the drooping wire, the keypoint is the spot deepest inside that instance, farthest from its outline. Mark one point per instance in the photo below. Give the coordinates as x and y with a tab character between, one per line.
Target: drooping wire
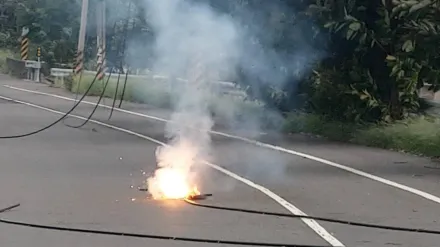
124	87
96	105
104	88
344	222
115	96
121	68
58	120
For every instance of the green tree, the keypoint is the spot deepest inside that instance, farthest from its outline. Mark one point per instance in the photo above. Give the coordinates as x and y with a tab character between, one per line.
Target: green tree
383	52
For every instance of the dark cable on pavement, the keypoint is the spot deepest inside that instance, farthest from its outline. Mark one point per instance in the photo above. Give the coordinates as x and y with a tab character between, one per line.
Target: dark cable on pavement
9	208
96	105
344	222
144	236
58	120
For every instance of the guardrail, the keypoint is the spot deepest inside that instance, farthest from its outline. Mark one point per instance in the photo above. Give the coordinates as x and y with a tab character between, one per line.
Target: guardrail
228	87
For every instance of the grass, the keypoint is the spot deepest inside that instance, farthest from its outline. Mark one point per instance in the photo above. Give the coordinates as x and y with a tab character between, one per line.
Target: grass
5	53
160	93
418	135
140	90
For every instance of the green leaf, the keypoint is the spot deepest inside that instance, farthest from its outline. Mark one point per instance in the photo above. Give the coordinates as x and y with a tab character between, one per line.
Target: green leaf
355	26
363	96
387	18
329	24
391	58
408	46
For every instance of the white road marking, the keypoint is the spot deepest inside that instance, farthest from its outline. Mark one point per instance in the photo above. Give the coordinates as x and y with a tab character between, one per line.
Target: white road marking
294	210
269	146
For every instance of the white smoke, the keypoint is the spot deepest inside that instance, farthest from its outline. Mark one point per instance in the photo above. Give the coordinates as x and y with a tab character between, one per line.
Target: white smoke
193	42
196	42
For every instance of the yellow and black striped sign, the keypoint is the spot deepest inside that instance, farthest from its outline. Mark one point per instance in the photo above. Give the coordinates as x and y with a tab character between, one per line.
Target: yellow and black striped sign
24	51
101	65
79	63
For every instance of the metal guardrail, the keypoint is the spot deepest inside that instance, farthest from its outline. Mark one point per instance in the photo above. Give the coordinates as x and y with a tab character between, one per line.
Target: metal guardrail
228	87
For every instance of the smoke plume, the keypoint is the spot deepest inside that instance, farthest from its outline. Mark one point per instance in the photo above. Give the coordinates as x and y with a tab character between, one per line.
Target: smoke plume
199	43
192	42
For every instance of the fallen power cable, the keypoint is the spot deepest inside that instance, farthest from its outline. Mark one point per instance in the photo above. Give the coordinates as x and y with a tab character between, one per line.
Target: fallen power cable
145	236
56	121
337	221
96	105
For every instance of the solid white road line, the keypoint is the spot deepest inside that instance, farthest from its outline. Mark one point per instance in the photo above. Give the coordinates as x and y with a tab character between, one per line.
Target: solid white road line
269	146
294	210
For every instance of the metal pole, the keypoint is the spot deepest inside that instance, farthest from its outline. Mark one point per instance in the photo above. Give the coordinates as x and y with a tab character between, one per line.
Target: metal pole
101	26
98	25
38	69
82	29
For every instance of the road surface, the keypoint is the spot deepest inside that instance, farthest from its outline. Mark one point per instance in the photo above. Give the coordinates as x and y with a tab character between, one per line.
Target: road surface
84	178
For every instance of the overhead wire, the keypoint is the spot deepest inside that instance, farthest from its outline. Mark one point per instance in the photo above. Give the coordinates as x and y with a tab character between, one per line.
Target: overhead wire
331	220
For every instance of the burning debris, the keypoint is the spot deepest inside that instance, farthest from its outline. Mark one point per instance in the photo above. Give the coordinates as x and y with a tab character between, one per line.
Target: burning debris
174	178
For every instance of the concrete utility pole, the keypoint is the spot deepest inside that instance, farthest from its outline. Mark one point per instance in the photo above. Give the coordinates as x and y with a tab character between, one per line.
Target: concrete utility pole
101	38
82	37
82	29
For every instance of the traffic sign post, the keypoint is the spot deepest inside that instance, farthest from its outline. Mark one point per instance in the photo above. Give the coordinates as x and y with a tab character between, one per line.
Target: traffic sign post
34	68
38	70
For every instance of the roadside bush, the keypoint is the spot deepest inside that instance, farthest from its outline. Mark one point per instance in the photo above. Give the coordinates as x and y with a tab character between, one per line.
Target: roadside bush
417	135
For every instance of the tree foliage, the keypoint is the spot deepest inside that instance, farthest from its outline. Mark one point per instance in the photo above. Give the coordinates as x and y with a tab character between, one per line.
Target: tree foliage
54	26
383	53
378	54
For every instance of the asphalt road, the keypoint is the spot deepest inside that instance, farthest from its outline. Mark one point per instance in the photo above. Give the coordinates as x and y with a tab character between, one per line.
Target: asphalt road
83	178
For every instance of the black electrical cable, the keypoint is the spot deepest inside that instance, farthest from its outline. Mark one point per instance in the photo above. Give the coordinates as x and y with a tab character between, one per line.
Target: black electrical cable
58	120
123	89
123	44
96	105
344	222
115	96
105	86
114	99
144	236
